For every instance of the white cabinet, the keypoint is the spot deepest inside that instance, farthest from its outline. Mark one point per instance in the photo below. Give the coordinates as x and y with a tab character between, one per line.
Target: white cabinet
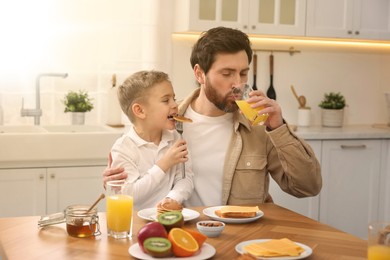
73	185
351	171
22	192
277	17
384	197
305	206
40	191
360	19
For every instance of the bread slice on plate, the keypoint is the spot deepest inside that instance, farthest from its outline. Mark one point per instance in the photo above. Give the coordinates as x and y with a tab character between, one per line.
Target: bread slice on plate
237	211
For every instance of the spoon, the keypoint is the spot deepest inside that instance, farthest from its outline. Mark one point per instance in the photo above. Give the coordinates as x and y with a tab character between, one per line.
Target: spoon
301	99
80	221
96	202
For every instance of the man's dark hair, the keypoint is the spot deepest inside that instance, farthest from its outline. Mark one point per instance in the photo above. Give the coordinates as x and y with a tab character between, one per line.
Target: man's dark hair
219	40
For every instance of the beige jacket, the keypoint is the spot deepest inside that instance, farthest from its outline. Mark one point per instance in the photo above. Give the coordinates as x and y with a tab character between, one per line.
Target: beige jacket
255	154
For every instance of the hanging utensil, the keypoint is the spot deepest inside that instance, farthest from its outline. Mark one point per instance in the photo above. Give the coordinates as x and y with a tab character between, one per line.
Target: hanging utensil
271	91
254	87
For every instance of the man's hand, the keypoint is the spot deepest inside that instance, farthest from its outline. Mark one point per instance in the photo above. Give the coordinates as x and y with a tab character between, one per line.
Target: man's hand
112	174
259	99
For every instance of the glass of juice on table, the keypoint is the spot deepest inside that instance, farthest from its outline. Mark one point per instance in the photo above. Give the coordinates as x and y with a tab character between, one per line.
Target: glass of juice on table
379	241
241	94
119	211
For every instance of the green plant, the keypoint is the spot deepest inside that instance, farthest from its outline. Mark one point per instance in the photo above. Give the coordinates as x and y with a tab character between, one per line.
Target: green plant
77	102
333	101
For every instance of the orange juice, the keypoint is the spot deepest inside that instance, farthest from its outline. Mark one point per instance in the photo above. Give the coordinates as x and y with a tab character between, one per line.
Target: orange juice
119	212
251	113
378	252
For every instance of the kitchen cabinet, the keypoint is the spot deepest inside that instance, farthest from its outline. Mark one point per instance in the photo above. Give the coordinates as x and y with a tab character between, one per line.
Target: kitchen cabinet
40	191
22	192
351	171
277	17
305	206
358	19
384	200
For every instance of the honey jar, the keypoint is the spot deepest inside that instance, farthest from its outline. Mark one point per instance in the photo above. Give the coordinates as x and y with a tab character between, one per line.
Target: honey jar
80	223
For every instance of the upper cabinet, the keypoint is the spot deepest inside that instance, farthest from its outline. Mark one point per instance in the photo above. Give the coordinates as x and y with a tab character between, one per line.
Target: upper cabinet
277	17
358	19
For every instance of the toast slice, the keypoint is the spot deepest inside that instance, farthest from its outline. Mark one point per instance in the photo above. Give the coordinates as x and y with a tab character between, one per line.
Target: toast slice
237	211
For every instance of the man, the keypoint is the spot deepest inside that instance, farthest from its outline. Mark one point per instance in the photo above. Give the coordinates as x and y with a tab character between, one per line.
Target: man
232	160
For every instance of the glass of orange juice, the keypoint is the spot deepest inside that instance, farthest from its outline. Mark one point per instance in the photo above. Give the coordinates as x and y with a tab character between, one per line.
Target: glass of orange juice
119	209
241	94
379	241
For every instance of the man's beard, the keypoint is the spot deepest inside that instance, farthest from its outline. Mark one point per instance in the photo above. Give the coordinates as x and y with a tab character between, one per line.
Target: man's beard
226	104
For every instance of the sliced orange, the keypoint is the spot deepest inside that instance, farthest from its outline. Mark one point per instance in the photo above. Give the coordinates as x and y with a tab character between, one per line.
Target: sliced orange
183	244
199	237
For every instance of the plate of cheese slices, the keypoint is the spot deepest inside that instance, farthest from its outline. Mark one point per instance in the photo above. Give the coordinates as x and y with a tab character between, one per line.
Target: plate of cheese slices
274	249
234	214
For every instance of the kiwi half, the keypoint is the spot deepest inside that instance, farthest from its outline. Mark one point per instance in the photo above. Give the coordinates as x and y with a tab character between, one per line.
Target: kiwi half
171	219
158	247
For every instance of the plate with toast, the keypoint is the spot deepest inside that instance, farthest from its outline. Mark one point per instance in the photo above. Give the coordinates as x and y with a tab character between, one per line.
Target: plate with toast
234	214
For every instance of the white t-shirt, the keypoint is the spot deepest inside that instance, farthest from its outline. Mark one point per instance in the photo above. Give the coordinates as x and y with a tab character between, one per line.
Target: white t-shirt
208	139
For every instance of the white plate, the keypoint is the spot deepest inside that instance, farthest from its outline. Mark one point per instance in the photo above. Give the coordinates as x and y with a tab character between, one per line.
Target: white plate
210	212
308	251
151	214
206	251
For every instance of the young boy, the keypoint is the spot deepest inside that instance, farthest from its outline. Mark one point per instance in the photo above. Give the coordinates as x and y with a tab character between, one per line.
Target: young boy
152	151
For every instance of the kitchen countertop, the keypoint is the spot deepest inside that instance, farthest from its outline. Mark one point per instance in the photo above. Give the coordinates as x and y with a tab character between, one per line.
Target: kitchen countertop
376	131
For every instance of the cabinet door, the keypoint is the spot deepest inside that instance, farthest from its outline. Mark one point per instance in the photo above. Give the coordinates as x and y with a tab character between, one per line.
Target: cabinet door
305	206
22	192
372	19
350	193
330	18
73	185
206	14
360	19
281	17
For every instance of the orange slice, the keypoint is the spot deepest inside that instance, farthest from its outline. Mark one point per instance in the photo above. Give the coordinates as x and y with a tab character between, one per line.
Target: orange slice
199	237
183	244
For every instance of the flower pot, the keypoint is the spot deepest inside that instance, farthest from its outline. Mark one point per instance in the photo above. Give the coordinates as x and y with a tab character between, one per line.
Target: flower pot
332	117
78	118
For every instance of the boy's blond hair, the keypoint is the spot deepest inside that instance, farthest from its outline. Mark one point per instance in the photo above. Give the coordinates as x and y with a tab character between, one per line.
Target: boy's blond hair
135	89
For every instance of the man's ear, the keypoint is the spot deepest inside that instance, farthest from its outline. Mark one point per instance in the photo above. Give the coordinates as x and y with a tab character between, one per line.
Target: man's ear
138	110
199	74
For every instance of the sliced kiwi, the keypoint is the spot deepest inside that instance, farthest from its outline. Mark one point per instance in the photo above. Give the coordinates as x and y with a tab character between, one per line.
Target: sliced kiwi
158	247
171	219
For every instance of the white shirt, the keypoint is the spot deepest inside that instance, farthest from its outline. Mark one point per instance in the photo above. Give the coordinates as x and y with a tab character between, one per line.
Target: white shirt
208	139
148	183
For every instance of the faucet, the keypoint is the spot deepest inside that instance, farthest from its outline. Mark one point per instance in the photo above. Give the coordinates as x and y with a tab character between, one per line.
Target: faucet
37	112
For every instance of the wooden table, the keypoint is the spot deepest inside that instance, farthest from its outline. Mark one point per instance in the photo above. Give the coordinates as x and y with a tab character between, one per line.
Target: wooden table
21	238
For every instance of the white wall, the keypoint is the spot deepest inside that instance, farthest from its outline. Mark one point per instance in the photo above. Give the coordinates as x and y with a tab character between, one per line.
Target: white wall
88	39
92	39
361	73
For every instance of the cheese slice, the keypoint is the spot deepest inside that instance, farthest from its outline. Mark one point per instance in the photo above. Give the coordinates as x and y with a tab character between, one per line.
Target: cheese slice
274	247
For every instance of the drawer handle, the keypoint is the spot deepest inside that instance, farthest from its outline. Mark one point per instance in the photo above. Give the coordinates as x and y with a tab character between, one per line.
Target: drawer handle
359	146
41	176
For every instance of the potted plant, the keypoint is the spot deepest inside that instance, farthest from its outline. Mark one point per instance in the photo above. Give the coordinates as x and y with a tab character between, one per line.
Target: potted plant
332	109
77	103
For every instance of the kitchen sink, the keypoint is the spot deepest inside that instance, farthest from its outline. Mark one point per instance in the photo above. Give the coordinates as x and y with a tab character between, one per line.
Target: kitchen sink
20	129
77	128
